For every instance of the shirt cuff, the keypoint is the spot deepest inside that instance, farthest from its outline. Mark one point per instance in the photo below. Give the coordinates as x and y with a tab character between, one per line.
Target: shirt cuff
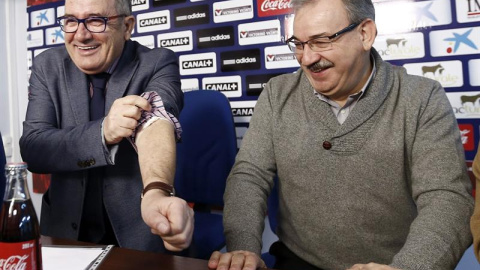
110	151
157	112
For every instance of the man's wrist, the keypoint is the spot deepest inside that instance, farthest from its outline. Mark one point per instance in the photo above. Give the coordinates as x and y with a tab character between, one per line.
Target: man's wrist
166	188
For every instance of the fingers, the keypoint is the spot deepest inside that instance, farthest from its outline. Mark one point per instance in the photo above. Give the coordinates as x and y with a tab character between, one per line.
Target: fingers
236	260
136	101
371	266
169	217
214	259
181	220
122	118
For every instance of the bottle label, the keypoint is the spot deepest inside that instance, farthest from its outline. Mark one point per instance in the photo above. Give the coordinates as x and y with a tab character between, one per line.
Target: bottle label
18	256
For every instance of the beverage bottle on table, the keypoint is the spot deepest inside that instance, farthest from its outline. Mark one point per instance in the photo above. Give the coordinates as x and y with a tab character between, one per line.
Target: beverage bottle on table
20	247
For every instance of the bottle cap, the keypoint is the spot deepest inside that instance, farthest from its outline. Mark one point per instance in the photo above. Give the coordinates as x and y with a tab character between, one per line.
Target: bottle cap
15	166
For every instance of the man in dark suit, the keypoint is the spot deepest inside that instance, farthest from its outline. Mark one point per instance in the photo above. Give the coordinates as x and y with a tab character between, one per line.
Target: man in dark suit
101	158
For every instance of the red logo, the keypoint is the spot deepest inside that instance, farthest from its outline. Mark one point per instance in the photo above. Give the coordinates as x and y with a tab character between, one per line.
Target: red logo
273	7
466	133
14	263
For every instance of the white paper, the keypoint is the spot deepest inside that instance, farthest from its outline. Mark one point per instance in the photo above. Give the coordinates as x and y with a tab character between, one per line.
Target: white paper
72	258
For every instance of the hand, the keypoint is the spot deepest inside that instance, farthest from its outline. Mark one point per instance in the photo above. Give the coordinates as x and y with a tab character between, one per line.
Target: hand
235	260
122	118
169	217
371	266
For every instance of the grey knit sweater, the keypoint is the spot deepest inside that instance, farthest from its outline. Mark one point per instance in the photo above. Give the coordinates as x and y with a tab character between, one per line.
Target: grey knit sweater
392	189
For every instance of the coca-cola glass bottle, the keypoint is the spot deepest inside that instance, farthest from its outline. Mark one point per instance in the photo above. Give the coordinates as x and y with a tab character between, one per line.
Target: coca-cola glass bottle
20	247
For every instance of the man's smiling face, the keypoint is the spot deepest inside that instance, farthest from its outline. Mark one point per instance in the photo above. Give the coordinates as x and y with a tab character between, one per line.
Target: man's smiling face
95	52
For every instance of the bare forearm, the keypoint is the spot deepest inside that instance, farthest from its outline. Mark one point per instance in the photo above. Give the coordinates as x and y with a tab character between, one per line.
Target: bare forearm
157	152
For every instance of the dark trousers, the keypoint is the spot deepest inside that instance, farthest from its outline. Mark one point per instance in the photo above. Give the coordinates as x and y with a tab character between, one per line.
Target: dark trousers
285	259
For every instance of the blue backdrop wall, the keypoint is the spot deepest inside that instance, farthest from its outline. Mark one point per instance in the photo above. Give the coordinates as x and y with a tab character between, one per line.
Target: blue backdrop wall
236	46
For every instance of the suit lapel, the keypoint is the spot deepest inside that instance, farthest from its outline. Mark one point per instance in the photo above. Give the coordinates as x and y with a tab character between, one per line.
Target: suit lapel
77	88
122	75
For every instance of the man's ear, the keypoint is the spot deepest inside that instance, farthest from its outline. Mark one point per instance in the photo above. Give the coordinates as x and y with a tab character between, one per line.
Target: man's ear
129	22
368	32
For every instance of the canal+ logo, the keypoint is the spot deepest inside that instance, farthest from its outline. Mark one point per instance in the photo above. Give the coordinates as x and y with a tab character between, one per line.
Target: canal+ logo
201	63
153	21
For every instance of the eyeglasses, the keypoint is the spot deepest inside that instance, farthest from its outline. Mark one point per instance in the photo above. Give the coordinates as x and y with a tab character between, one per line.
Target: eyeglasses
94	24
317	44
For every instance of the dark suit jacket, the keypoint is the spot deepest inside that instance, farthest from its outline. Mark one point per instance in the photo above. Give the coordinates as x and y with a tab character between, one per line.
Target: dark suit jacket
58	138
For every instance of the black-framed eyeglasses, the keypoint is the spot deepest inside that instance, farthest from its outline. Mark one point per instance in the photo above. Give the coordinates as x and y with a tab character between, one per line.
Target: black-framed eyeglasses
318	44
94	24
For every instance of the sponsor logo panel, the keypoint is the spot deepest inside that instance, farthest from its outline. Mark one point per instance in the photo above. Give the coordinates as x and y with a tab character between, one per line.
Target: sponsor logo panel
153	21
280	57
240	60
474	71
34	38
404	46
29	59
148	41
242	110
458	41
256	83
240	131
139	5
448	73
176	41
259	32
54	36
467	136
273	7
410	16
43	17
60	11
215	37
467	11
189	84
466	105
231	86
288	26
191	16
201	63
159	3
39	51
233	10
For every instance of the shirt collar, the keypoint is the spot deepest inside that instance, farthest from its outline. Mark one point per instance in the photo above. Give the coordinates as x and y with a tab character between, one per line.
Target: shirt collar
113	66
357	95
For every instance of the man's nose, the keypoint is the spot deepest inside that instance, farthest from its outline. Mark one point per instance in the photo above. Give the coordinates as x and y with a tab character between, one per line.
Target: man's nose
82	31
308	56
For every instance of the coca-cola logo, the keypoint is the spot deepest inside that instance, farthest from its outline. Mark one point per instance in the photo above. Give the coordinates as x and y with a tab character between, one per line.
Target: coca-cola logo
273	7
14	263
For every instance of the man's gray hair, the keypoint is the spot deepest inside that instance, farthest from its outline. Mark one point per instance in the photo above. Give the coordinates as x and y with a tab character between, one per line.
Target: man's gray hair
357	10
123	7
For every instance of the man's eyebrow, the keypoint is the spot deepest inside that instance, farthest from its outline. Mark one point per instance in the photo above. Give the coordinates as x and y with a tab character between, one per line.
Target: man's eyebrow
311	37
293	37
89	15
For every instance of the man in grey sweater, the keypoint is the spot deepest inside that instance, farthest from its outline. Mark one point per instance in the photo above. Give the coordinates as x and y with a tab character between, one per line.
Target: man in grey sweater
370	164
